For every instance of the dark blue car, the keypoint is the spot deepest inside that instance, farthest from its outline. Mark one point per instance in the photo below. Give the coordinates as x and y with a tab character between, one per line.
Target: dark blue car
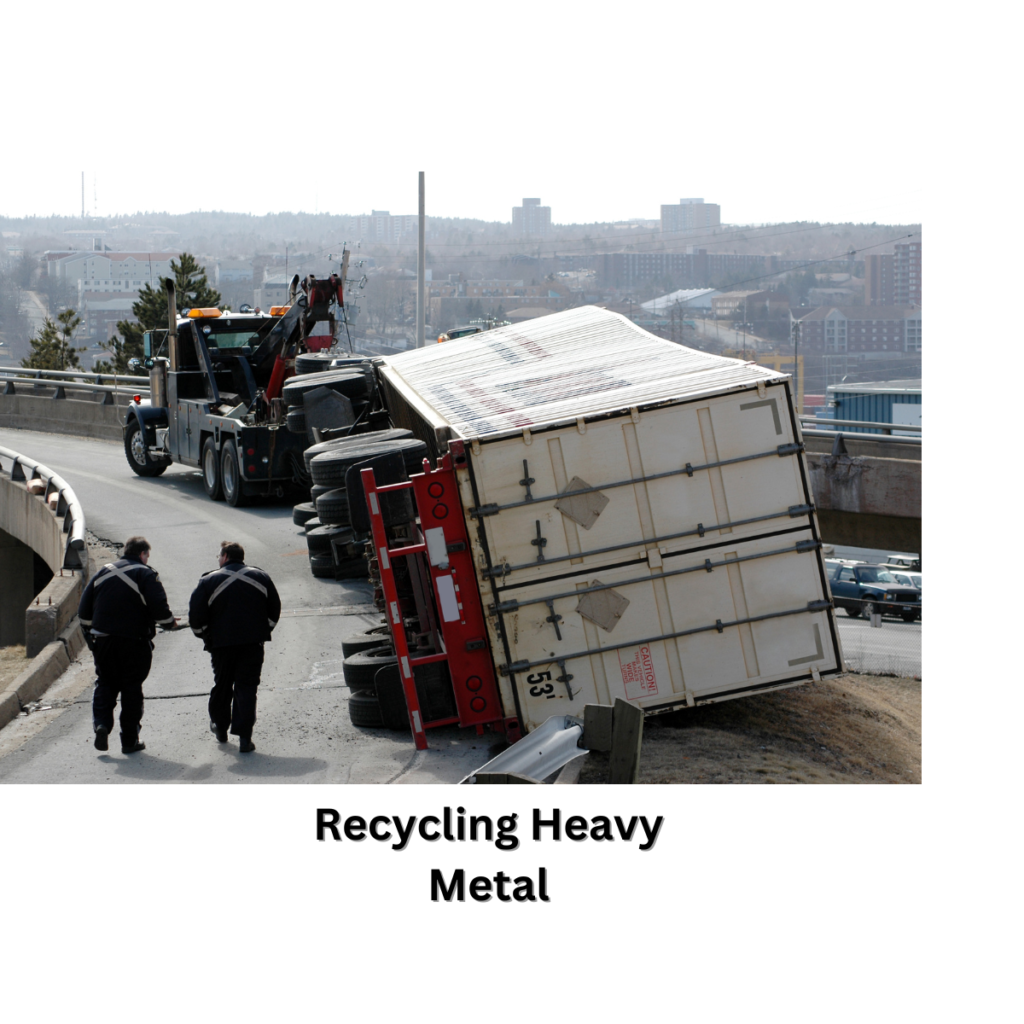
867	589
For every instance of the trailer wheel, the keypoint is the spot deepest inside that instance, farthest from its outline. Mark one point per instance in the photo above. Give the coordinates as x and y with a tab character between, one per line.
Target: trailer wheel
322	566
301	514
332	507
365	640
361	668
136	452
211	471
231	478
296	419
364	710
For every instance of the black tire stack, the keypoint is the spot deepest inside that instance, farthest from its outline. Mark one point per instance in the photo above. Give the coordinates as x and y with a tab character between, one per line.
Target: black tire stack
335	541
352	382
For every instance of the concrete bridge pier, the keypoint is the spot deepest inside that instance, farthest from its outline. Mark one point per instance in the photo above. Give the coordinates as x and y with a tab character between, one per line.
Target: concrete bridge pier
17	588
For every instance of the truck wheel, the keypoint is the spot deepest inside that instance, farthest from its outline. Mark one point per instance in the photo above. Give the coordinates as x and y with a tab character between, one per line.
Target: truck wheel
211	470
231	478
853	610
137	454
364	710
870	608
361	668
909	616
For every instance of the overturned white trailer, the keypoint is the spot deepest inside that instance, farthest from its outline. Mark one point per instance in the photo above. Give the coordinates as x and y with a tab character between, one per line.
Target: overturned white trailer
639	514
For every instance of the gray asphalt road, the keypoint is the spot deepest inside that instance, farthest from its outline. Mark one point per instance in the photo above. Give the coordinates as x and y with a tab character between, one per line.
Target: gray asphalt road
895	647
303	732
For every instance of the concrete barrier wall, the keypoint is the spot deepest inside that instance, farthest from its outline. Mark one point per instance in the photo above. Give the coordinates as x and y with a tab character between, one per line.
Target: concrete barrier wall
28	518
82	416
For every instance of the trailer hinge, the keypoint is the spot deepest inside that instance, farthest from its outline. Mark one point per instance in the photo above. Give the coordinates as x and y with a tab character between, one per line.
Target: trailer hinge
503	606
540	543
689	469
789	449
708	566
818	606
527	480
808	545
498	572
719	626
795	511
516	666
485	510
565	677
554	618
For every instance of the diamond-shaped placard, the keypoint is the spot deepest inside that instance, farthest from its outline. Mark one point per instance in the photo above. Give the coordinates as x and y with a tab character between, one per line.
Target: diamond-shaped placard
582	508
602	607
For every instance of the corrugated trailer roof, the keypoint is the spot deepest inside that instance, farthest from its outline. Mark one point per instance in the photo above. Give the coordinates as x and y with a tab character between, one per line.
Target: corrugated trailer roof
554	369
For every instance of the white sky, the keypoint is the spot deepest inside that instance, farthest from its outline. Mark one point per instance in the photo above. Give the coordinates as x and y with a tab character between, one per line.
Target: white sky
580	197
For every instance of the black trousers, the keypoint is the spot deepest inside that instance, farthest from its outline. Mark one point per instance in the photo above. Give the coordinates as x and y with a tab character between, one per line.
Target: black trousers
122	664
236	675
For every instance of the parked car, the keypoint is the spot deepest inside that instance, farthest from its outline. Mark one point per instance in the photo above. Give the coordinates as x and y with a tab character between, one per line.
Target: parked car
867	589
912	562
907	579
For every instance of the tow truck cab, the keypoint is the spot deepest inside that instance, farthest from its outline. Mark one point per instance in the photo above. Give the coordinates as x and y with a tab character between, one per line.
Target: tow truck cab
207	383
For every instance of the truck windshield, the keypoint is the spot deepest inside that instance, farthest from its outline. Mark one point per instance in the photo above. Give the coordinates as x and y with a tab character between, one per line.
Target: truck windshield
232	338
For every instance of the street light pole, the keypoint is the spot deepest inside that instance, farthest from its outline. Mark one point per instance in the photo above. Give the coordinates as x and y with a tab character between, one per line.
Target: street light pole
421	272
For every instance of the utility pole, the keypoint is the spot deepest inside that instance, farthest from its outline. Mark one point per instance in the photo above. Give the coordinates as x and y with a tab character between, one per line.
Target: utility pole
421	271
796	363
83	195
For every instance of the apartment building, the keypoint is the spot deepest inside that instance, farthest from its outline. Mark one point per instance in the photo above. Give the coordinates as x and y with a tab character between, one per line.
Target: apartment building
881	331
906	274
690	215
531	219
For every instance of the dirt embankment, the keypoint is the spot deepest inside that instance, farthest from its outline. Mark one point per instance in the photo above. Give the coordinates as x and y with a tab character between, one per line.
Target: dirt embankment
12	664
856	728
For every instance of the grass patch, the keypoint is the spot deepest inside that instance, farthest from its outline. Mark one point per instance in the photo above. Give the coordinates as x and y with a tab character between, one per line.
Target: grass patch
856	728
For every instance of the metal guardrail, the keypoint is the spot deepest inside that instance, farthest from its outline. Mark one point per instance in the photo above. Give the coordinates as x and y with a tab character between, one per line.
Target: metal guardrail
98	378
60	388
888	428
26	469
884	438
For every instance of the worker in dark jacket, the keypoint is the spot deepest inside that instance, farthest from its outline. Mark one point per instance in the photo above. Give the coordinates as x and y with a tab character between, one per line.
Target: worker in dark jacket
234	610
120	609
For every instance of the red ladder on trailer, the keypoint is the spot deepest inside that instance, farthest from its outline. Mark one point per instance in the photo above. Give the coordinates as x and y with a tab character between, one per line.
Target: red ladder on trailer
445	553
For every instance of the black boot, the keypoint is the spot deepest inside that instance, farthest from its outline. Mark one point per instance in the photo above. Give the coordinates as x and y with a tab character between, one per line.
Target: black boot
246	745
219	732
100	742
131	745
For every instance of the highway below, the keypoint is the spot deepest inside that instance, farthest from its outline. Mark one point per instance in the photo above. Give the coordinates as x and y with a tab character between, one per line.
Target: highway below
303	732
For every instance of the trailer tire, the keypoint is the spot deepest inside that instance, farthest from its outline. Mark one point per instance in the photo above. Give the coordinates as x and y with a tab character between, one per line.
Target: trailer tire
364	710
317	489
312	524
361	668
352	569
332	507
211	471
367	639
322	566
330	467
318	540
352	384
231	476
296	419
136	453
388	434
301	514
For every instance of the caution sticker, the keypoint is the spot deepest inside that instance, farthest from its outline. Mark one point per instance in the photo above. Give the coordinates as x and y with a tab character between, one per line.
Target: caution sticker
638	675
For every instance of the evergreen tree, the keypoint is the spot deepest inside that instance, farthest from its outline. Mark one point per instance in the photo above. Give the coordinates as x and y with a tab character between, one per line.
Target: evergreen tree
191	288
52	348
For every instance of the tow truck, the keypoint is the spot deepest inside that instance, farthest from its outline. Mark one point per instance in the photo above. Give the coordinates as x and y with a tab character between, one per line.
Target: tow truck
215	393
